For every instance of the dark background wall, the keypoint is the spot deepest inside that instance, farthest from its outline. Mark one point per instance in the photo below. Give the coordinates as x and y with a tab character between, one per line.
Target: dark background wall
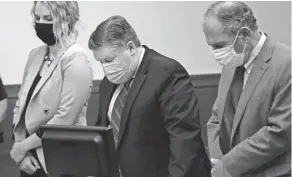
206	89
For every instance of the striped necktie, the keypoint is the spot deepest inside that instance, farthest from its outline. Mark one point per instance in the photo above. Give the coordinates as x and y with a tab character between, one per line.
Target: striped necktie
117	110
117	114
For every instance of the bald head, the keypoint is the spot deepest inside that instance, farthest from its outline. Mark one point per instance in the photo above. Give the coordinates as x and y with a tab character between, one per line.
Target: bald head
232	14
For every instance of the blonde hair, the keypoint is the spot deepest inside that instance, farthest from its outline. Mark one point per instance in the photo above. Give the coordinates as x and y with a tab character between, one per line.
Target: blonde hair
65	17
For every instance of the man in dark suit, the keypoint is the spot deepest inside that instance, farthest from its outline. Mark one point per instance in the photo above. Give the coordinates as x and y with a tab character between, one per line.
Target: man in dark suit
149	101
249	133
3	108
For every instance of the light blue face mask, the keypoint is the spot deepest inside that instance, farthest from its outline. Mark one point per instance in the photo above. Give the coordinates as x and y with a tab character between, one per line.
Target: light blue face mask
119	70
228	56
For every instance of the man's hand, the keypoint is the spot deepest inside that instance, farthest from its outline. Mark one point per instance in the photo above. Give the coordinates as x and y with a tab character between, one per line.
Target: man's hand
18	152
214	161
217	169
29	165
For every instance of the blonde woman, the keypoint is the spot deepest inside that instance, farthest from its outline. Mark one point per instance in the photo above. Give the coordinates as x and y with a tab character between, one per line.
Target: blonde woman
56	83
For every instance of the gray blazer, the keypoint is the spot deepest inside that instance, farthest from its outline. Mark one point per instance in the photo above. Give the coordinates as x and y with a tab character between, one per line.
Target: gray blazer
261	133
59	98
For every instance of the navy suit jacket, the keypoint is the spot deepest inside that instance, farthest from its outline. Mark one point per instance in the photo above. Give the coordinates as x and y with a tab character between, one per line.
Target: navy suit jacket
160	133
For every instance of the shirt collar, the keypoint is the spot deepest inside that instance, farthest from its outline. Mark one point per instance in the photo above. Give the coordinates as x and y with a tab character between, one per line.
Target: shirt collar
254	53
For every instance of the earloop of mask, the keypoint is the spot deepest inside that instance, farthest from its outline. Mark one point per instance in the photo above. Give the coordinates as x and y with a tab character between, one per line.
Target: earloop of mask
237	37
130	64
238	33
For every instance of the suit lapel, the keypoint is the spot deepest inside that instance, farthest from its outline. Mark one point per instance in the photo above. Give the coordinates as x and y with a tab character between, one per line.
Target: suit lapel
137	84
46	76
34	69
50	70
255	76
227	77
134	91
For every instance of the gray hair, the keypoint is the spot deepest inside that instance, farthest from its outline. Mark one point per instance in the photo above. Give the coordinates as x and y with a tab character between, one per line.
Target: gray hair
115	30
233	15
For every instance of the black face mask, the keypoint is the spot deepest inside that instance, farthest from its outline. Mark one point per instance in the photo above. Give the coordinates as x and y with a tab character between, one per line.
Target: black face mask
45	32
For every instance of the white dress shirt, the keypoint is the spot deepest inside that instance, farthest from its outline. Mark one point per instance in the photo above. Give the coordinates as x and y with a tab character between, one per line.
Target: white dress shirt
120	86
254	53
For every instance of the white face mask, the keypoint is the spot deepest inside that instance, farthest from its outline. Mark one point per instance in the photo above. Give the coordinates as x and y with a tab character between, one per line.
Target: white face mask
119	70
227	55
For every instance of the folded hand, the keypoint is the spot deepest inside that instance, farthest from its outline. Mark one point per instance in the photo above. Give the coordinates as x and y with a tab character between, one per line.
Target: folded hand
29	165
214	161
218	170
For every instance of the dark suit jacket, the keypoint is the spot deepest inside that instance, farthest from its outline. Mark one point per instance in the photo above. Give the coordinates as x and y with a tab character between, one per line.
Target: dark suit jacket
261	132
3	94
3	107
160	133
